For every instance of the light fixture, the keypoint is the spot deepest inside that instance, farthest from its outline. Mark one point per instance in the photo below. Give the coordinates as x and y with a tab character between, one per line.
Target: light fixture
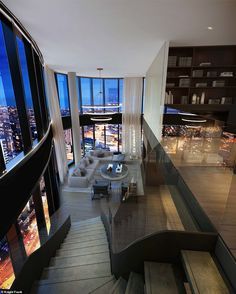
210	28
187	114
194	120
101	119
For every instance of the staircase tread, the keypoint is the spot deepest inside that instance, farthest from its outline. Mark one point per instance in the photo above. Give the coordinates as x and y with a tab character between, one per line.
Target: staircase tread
72	287
85	234
84	245
119	286
104	288
135	284
80	272
86	231
84	239
83	251
80	260
160	278
202	272
67	243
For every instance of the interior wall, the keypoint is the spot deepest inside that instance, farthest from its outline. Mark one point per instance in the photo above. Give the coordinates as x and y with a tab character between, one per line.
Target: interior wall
155	91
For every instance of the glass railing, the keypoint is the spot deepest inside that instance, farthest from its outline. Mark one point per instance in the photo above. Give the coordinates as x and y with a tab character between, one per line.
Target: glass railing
198	161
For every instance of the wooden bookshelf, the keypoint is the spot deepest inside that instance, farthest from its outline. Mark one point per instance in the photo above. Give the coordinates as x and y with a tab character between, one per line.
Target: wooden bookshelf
202	67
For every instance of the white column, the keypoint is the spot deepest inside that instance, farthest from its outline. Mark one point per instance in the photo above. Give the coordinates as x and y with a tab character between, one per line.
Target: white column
74	110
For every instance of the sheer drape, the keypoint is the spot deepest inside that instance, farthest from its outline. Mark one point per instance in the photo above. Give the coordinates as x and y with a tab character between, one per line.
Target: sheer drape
131	117
55	113
74	110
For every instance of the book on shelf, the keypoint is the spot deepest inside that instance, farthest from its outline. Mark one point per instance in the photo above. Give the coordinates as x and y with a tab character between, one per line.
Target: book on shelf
201	85
205	64
185	61
184	100
170	85
198	73
227	74
226	100
218	83
214	101
169	98
184	82
172	61
212	74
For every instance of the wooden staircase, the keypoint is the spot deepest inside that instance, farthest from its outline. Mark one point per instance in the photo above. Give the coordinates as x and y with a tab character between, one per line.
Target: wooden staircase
82	265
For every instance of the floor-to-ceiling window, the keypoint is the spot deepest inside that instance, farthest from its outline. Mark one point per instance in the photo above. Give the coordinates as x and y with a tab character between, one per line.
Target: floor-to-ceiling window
26	85
63	94
97	96
10	131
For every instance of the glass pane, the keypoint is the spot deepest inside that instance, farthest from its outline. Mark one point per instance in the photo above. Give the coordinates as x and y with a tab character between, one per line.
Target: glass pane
98	94
7	275
45	204
88	138
69	146
86	94
100	136
29	229
120	138
111	94
112	137
121	88
27	90
63	94
10	132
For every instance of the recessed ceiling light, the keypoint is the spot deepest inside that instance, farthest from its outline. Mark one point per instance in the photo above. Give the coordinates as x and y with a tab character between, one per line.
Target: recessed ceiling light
210	28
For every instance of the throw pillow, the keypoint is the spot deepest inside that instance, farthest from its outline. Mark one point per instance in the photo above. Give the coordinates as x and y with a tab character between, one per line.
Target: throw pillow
76	172
90	159
83	172
86	160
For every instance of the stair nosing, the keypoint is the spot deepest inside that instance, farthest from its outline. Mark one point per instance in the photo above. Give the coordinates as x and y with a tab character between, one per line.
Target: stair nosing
76	265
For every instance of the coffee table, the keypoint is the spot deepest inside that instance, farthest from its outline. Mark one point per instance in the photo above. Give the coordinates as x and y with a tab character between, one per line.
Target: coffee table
112	175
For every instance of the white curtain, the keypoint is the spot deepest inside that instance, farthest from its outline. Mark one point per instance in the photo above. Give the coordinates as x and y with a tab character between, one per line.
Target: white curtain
74	110
131	117
55	113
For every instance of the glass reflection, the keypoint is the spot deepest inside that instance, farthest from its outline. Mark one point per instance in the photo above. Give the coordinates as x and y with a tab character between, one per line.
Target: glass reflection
69	145
28	227
45	204
7	275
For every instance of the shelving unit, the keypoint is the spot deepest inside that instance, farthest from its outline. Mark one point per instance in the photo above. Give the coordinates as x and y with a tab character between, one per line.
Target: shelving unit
197	70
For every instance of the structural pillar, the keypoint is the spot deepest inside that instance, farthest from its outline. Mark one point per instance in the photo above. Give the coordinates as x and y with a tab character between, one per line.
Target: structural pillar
74	110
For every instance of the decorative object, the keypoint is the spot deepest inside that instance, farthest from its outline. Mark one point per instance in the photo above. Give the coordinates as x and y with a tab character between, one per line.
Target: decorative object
202	101
194	99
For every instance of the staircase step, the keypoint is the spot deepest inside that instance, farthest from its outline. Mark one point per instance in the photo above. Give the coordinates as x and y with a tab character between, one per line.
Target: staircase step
86	228
72	287
135	284
83	251
119	287
77	245
89	220
104	288
79	260
80	272
202	272
93	230
160	278
84	239
96	233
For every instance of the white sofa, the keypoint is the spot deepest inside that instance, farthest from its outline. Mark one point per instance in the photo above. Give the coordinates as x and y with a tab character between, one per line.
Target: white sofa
82	181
